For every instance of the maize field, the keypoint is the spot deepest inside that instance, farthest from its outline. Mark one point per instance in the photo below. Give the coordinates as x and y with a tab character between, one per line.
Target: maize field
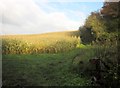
37	44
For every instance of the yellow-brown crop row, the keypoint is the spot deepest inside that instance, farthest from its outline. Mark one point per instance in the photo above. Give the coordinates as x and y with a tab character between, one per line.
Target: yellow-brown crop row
36	44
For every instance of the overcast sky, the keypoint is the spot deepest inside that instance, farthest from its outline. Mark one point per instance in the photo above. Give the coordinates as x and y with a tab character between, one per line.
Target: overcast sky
40	16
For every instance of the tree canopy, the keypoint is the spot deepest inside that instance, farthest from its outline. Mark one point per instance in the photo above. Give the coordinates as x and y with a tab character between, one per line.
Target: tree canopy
99	24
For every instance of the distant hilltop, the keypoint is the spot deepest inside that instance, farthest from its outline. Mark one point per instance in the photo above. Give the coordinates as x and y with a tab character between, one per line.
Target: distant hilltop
65	33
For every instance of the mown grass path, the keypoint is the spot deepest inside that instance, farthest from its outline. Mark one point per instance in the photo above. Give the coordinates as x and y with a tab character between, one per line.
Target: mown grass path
41	70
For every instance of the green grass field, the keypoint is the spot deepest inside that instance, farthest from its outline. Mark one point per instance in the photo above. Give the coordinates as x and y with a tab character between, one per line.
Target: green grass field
41	70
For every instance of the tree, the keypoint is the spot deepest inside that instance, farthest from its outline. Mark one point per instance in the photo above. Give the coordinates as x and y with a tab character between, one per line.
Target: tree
111	14
102	27
87	35
110	10
96	22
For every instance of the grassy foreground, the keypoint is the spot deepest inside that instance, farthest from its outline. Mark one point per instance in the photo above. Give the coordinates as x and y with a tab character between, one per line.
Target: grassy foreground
41	70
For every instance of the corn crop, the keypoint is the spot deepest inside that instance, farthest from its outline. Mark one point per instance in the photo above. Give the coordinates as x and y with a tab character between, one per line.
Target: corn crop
37	44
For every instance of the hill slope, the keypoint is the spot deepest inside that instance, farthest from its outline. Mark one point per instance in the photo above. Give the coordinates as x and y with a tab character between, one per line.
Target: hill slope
40	43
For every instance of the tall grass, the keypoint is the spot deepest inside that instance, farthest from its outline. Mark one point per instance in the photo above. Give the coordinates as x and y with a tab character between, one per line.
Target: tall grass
36	44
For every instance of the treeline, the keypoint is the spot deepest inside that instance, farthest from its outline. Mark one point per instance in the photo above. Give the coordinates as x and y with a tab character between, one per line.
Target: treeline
101	27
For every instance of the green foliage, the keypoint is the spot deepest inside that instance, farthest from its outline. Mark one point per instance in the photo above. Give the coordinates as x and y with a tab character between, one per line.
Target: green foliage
107	39
104	24
87	35
110	12
93	28
81	64
96	22
109	55
112	25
